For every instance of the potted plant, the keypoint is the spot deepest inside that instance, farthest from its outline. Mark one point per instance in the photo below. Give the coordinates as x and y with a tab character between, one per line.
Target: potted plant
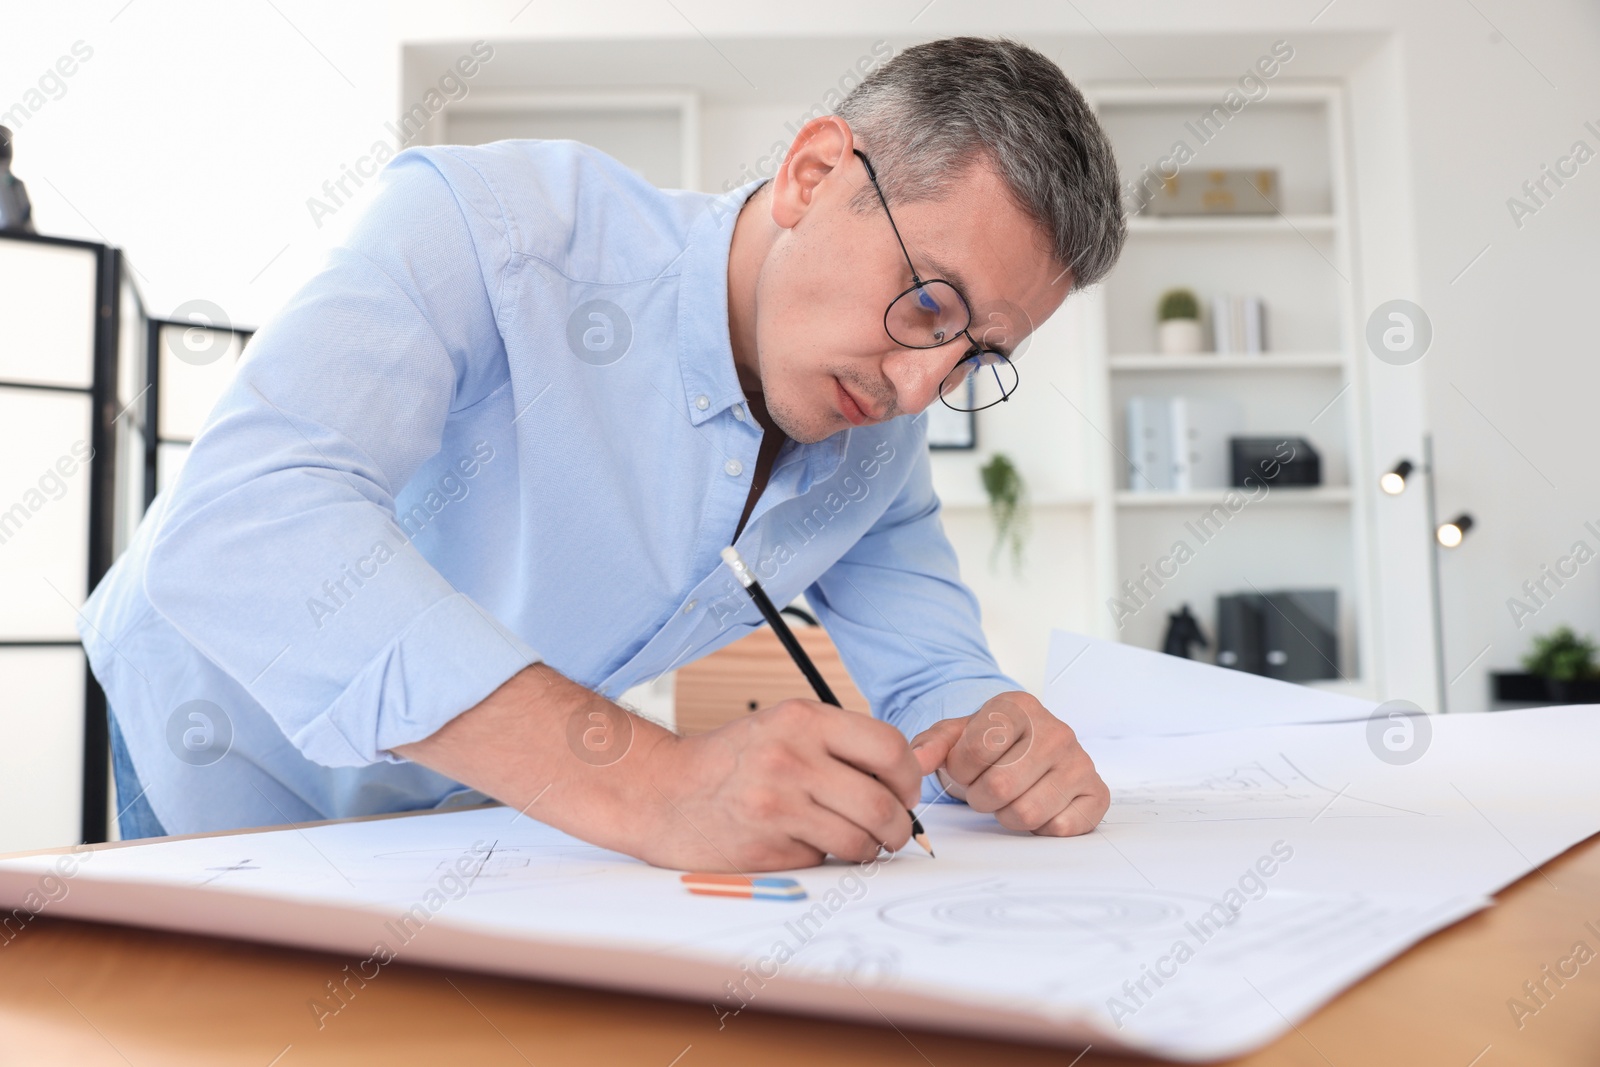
1008	505
1567	664
1178	331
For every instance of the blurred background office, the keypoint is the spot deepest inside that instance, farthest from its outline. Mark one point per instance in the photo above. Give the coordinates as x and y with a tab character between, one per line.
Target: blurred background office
1328	420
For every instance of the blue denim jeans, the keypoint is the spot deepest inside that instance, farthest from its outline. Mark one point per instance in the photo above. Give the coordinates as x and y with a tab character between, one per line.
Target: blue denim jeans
135	817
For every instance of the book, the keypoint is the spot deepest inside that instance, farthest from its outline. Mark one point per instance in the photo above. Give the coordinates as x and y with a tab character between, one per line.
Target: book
1238	325
1252	325
1222	325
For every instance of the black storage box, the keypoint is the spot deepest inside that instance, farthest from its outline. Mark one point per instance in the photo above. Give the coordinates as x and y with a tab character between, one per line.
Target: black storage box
1273	461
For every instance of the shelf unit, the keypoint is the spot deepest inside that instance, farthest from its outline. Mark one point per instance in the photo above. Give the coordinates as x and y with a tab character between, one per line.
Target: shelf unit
1267	361
1276	224
1301	263
1284	496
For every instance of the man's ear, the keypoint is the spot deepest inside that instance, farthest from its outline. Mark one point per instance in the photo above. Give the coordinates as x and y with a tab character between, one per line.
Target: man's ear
822	152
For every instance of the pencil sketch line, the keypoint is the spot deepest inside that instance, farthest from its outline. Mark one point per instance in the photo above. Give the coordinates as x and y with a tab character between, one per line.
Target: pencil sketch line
1363	800
482	863
296	828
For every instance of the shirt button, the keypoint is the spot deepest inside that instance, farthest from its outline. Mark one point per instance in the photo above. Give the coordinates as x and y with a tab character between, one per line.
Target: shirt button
738	412
687	608
702	402
733	467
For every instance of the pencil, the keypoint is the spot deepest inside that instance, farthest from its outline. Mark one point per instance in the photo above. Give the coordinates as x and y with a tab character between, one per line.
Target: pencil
747	578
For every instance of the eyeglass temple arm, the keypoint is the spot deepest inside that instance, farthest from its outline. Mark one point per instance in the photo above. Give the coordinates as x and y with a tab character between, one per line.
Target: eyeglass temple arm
871	174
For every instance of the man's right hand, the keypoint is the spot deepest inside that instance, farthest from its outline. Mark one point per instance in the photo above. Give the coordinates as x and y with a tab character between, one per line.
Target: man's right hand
782	788
778	789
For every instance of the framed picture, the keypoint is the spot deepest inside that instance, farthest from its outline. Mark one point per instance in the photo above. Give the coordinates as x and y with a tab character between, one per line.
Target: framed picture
951	429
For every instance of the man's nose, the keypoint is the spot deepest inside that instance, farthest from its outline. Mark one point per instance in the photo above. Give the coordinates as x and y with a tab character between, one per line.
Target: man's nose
918	372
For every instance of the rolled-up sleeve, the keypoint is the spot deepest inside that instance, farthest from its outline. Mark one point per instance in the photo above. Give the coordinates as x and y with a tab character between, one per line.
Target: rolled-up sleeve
268	556
907	628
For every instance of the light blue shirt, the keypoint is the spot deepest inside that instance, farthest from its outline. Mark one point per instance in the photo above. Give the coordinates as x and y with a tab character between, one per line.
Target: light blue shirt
502	425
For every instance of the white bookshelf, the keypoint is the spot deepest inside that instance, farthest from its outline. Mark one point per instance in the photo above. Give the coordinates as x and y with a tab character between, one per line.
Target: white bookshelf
1301	263
1254	224
1202	362
1282	497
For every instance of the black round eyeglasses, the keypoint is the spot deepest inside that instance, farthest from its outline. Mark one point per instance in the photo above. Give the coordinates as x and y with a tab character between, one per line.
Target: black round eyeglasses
930	314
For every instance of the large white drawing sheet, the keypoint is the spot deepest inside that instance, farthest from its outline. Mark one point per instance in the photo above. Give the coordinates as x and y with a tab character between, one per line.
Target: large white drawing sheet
1240	880
1109	689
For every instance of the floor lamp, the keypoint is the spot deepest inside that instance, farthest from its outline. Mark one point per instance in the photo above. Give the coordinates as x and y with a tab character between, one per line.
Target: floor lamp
1442	536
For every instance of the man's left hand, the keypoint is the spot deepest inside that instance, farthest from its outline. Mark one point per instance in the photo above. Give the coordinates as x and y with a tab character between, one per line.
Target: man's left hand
1015	759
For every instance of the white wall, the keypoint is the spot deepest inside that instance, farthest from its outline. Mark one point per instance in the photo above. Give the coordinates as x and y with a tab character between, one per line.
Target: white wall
195	133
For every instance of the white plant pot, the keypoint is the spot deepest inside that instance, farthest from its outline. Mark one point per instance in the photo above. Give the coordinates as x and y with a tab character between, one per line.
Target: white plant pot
1178	337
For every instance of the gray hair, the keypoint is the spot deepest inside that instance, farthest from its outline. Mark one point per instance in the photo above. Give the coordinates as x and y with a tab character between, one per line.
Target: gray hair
937	107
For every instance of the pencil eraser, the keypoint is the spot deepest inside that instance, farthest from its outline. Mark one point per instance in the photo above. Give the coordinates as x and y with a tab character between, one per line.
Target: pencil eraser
715	884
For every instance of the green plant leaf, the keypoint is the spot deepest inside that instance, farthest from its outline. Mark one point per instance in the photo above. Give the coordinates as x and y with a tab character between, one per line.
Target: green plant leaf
1178	304
1563	656
1008	506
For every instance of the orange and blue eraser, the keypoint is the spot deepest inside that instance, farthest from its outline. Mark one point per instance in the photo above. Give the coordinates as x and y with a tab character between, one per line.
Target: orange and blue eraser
712	884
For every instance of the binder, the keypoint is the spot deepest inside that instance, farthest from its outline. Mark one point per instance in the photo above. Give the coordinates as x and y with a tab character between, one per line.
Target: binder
1291	634
1149	444
1200	432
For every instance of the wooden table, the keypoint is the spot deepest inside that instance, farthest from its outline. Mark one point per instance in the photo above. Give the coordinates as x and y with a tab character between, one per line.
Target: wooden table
86	994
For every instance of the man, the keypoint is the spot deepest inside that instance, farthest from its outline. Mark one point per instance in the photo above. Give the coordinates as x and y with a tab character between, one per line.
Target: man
473	481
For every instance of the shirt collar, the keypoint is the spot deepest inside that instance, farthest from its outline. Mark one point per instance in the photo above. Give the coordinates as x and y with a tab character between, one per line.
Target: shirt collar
705	351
